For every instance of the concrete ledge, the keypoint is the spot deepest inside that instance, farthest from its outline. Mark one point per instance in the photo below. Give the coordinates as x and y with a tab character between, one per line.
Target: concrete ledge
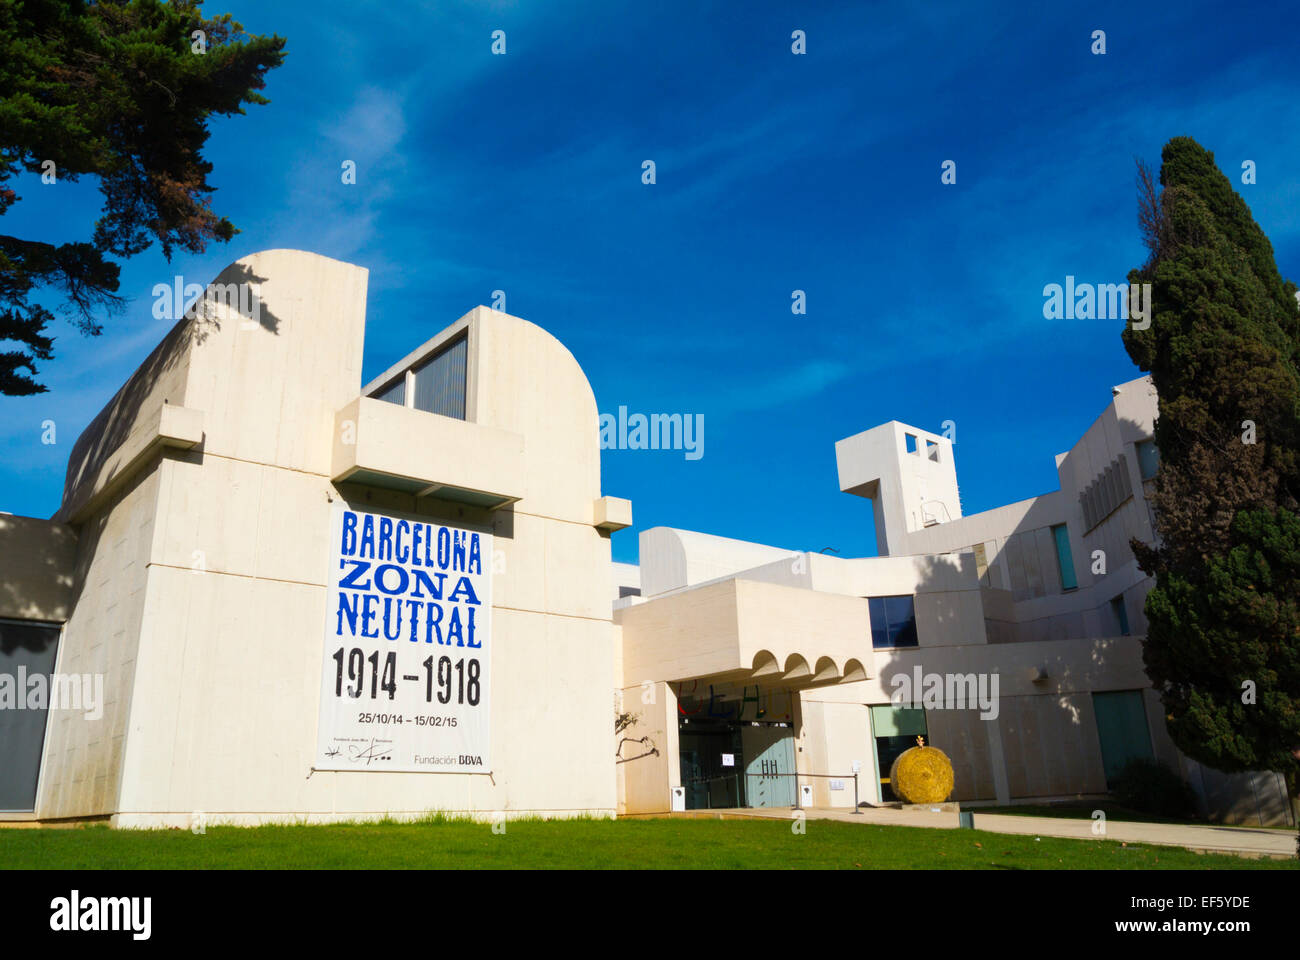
745	632
425	454
171	426
612	513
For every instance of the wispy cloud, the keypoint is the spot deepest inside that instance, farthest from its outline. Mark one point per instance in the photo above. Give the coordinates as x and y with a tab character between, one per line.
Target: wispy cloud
784	388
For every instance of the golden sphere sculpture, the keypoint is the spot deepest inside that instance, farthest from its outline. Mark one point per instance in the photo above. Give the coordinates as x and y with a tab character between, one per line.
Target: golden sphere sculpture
921	774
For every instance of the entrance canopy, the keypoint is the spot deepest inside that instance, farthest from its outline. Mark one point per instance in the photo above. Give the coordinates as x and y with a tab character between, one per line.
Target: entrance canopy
741	632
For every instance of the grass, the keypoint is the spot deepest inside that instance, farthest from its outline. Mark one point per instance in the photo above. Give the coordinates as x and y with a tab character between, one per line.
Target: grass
1082	810
588	844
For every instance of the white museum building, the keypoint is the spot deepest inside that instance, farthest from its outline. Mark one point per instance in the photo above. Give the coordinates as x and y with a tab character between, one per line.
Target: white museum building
272	592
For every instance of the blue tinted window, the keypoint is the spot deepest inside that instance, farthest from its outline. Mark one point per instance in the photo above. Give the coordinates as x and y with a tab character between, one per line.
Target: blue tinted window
1148	459
440	383
1064	559
1121	615
893	621
395	392
879	625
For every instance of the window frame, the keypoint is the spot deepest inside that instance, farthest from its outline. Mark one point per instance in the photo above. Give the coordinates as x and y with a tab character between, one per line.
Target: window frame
407	377
1120	609
1060	540
436	355
1141	461
887	625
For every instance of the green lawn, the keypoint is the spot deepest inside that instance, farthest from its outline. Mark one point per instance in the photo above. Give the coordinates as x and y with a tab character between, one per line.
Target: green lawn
623	844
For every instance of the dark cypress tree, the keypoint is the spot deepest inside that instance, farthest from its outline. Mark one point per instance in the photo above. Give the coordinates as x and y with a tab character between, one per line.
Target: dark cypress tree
1223	348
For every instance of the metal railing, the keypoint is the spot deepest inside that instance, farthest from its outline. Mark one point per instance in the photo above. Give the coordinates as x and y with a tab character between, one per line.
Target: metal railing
708	794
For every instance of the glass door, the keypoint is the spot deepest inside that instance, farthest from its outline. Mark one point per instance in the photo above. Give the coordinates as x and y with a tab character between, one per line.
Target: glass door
769	774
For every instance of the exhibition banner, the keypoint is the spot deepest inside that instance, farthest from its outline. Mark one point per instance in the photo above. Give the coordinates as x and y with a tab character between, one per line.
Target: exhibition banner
405	673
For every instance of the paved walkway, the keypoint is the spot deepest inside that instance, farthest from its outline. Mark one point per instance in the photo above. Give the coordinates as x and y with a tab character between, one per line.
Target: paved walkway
1249	841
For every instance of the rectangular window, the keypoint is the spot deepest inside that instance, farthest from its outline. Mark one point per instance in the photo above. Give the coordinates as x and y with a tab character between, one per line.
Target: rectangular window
25	649
893	622
1064	559
1148	459
981	562
1121	615
932	450
440	382
910	441
1122	730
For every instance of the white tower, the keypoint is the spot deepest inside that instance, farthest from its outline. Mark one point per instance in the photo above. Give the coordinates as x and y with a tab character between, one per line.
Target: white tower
908	475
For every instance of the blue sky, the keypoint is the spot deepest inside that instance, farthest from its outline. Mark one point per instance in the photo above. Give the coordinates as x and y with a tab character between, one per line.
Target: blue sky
775	172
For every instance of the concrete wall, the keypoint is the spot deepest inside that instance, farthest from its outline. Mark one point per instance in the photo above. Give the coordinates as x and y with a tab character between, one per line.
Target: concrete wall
82	769
645	779
675	559
110	498
838	735
37	559
1051	746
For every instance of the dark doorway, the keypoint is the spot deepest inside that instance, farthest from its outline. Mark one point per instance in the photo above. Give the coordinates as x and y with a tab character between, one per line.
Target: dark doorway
712	762
895	730
26	649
